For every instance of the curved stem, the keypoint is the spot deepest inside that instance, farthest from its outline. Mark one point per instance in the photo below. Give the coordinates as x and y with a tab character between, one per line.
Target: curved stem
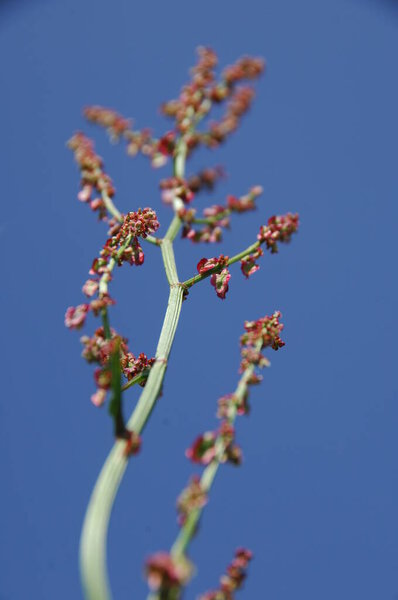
188	530
95	527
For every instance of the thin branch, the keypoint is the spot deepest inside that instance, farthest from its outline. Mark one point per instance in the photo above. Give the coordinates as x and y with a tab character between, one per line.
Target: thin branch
196	278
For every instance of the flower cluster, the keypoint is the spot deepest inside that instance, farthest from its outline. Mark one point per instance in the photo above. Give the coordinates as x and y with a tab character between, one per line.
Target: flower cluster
220	279
248	264
115	124
185	189
216	217
163	573
137	141
98	350
258	335
231	403
246	202
191	498
278	229
205	179
175	187
208	264
218	445
234	577
93	178
197	97
137	224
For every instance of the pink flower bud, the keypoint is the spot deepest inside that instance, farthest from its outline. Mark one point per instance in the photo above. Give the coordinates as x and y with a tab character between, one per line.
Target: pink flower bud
76	316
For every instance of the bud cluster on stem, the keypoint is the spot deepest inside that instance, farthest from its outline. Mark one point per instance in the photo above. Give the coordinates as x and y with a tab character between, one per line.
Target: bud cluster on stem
168	572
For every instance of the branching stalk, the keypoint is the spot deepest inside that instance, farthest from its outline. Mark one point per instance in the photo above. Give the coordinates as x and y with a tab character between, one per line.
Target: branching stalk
94	534
196	278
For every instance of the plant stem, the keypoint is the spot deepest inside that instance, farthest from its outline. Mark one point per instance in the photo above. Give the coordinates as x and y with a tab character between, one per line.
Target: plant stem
111	208
188	530
94	533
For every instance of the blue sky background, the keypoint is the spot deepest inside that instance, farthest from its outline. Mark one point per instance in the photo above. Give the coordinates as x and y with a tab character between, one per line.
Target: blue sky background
316	498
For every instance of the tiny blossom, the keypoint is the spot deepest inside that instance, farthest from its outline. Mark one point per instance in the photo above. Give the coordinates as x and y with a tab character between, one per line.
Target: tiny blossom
244	68
278	229
75	316
220	283
207	264
205	179
176	187
254	379
229	403
166	144
106	117
266	329
99	397
164	573
103	378
133	366
226	432
217	218
203	449
248	264
250	356
233	454
90	287
246	202
191	498
141	141
226	405
233	579
93	176
98	349
138	224
133	443
98	304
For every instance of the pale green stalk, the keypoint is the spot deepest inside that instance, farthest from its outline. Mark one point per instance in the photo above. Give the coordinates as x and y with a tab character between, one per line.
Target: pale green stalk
188	530
94	534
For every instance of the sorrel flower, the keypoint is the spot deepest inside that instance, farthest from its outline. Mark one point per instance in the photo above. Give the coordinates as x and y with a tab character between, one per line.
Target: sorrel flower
164	573
75	317
98	349
203	449
115	124
220	283
90	287
191	498
266	329
207	264
93	176
248	265
278	229
233	579
137	224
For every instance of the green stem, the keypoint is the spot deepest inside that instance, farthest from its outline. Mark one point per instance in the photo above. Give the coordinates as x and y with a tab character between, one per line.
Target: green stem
94	534
111	208
190	282
137	379
212	220
188	530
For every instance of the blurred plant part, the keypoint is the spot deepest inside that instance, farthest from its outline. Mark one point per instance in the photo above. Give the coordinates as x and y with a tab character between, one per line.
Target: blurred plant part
192	128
